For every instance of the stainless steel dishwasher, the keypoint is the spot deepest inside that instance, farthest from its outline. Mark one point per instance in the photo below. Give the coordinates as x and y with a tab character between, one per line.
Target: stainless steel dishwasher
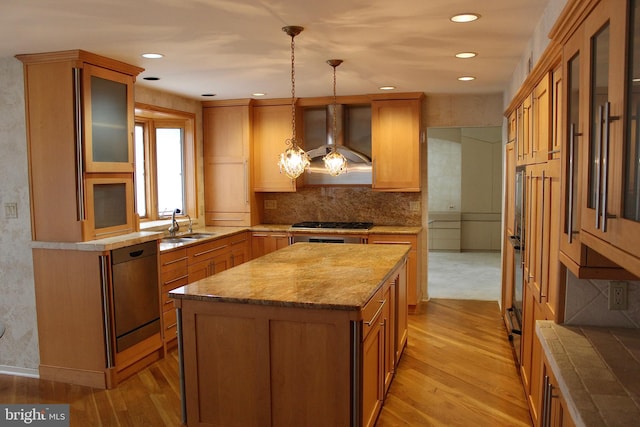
135	293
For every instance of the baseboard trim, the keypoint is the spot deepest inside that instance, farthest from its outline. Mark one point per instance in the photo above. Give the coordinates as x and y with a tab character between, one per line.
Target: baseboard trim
19	372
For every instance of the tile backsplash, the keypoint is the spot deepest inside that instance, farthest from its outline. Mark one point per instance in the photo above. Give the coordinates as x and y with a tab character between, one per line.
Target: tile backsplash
343	204
587	303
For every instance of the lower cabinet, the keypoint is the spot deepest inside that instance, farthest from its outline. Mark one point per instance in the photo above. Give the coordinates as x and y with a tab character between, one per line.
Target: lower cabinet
554	412
384	337
76	326
173	273
208	258
264	242
373	357
181	266
414	290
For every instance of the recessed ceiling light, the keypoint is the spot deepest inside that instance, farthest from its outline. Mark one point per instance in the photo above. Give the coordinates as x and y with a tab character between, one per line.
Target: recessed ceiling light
387	87
466	55
208	94
258	94
152	55
465	17
151	78
466	78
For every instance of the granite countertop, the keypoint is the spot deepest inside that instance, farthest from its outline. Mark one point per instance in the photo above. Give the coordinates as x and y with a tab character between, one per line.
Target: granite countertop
597	369
121	241
307	275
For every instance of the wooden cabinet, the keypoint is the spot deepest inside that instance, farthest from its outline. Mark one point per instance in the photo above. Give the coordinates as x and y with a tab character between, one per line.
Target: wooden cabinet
264	242
240	248
208	258
229	196
610	211
581	260
271	128
76	328
554	411
173	274
541	142
373	357
296	366
395	144
185	265
524	131
414	287
80	115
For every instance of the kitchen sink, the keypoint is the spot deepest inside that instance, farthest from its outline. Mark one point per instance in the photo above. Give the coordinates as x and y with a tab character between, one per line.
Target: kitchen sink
180	239
197	235
186	238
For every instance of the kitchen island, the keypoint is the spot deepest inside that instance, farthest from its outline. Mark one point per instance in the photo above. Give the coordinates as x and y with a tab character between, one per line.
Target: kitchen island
308	335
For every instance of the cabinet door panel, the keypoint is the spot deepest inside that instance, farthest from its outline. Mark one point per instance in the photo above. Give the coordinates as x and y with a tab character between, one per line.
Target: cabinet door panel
271	128
395	145
108	120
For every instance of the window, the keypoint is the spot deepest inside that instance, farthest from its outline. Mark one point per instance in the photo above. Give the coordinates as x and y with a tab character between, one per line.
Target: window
164	162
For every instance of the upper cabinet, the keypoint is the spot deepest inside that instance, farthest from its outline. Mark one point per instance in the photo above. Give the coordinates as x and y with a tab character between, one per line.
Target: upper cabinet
228	161
271	128
603	58
395	144
80	115
107	98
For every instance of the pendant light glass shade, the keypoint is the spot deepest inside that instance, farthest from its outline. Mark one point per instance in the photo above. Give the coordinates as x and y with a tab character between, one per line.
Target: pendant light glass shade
334	162
293	161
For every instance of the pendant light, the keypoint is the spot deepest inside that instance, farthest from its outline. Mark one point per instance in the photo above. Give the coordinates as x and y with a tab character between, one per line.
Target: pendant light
294	160
335	162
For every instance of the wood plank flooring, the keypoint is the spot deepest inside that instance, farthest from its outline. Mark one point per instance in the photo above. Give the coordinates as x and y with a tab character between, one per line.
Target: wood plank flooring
457	370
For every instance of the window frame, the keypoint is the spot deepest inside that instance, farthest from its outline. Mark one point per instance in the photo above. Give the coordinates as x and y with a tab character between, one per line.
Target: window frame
153	117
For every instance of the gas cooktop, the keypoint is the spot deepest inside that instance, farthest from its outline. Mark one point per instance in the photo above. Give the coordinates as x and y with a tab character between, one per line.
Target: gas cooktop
334	225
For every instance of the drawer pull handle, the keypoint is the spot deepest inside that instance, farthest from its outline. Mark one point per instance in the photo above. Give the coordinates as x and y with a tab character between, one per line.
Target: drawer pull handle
174	261
175	280
209	251
375	316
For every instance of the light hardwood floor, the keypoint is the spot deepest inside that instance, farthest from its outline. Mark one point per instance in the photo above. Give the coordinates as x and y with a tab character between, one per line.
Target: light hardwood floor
457	370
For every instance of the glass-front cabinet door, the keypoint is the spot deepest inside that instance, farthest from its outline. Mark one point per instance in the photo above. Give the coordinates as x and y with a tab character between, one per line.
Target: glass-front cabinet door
573	139
611	202
108	120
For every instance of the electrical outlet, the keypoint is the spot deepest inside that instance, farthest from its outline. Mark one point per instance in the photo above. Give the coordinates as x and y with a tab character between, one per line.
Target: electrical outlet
270	204
414	206
618	295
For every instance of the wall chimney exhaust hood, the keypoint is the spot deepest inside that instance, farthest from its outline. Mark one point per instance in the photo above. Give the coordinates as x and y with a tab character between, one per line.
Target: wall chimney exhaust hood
353	141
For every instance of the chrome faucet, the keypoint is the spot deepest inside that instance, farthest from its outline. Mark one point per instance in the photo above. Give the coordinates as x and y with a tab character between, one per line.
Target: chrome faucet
190	224
173	229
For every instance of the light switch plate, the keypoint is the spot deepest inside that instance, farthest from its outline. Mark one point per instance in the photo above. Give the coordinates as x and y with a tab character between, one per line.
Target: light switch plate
11	210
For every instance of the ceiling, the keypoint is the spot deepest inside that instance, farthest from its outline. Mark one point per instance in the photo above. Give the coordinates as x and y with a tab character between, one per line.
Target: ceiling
234	48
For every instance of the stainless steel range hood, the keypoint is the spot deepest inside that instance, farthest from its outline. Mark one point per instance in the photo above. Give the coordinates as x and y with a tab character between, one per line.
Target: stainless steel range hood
358	164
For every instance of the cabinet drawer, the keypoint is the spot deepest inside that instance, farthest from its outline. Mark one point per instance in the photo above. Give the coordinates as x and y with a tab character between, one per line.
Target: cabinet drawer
168	287
394	239
239	239
173	260
170	326
371	312
207	250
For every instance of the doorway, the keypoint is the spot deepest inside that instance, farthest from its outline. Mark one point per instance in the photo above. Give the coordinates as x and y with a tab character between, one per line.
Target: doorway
465	212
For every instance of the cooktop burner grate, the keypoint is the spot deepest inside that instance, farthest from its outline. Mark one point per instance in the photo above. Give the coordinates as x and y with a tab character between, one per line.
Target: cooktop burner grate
334	225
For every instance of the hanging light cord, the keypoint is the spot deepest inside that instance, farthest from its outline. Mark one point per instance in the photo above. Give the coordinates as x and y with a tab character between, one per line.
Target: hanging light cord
335	105
293	91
